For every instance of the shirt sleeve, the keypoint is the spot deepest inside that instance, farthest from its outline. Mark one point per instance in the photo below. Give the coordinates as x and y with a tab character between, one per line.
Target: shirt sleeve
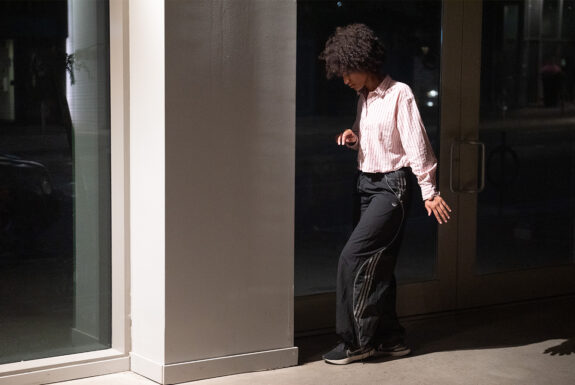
355	127
416	144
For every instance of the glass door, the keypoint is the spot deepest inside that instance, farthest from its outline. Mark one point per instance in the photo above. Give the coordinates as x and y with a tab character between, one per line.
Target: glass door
423	39
516	152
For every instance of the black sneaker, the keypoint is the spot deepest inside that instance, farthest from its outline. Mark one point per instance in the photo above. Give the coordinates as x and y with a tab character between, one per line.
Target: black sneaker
395	350
343	355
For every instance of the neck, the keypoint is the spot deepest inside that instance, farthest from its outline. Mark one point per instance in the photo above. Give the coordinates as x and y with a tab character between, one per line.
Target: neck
373	81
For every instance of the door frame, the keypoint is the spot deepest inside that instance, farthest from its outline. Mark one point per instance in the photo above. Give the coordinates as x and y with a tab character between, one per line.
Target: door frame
317	311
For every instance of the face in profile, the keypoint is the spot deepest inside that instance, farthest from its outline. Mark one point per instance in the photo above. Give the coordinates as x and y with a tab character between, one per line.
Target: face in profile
355	79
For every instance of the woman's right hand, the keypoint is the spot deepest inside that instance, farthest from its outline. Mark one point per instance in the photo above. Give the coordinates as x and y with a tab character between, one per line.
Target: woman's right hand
348	137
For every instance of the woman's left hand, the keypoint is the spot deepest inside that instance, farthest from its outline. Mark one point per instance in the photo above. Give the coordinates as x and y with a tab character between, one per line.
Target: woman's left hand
439	207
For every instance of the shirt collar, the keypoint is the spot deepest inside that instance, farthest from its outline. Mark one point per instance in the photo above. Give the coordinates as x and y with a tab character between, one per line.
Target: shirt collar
381	88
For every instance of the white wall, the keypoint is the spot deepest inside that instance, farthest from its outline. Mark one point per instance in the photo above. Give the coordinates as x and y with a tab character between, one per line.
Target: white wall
147	182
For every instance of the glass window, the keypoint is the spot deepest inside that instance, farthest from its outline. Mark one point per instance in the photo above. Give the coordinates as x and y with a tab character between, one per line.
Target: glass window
55	270
550	18
568	22
326	173
526	212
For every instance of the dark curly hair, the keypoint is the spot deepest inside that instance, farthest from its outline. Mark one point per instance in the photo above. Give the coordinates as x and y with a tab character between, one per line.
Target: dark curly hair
353	48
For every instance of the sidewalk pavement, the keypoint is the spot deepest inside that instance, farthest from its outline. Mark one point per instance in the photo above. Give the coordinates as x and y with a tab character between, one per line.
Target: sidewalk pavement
523	343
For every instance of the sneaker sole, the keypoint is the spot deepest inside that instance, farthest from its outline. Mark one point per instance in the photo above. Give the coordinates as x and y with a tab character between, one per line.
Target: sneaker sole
392	353
349	360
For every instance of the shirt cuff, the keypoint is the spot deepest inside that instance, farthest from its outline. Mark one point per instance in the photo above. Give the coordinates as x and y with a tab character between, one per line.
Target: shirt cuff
431	195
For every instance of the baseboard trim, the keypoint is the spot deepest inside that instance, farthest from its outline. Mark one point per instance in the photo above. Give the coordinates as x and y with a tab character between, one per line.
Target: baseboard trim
147	368
214	367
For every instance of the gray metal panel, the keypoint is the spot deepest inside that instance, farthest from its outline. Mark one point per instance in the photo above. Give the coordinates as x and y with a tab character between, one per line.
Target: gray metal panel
230	148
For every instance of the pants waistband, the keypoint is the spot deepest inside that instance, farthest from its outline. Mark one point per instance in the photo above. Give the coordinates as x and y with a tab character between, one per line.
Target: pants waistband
376	174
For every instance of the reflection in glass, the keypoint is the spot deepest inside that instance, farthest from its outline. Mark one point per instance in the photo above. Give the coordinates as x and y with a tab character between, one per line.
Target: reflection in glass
325	173
550	18
526	213
54	179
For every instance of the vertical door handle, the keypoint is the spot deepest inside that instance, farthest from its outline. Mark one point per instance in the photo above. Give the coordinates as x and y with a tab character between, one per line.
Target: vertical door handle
481	145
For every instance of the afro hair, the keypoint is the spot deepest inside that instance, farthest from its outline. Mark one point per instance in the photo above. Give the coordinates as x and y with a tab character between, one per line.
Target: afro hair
353	48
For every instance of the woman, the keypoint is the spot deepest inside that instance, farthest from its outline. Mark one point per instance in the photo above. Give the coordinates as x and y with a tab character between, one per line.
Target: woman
391	142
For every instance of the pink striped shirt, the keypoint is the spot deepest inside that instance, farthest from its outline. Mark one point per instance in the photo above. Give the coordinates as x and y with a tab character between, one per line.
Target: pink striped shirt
391	134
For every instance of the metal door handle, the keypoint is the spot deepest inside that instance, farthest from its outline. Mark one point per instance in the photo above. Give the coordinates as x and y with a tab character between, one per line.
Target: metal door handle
482	178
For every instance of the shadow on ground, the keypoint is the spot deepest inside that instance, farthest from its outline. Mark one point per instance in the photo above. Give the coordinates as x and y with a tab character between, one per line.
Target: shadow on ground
494	327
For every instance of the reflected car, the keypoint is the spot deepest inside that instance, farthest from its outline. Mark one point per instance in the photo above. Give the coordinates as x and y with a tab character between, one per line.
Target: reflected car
27	202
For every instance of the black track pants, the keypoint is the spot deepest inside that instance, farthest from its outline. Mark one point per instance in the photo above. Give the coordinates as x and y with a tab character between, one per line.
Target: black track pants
366	287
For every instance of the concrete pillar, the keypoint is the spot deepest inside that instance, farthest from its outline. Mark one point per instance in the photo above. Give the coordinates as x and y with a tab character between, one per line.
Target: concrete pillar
228	148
